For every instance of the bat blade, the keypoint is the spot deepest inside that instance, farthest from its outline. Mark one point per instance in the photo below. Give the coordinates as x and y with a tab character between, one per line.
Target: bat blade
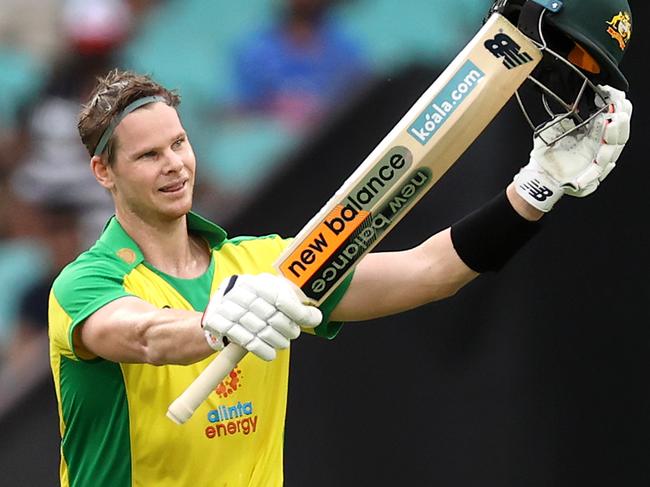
416	153
426	142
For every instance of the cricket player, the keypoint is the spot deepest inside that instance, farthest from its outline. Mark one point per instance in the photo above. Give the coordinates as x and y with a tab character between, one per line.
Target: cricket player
134	319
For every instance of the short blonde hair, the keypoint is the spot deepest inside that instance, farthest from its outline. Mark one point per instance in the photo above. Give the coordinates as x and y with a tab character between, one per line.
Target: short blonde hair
114	93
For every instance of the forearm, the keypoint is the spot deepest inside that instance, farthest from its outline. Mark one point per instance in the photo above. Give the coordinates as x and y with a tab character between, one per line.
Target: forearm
390	282
172	337
437	270
132	331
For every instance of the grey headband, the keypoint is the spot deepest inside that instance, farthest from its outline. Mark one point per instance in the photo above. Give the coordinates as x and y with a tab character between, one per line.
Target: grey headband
108	133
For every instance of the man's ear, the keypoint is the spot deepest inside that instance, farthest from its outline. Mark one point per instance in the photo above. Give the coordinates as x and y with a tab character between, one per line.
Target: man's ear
102	171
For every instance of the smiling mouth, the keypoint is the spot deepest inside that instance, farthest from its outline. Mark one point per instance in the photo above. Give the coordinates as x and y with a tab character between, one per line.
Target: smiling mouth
174	187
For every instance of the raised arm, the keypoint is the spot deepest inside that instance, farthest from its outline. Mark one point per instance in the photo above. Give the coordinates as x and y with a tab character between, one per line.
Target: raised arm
386	283
575	164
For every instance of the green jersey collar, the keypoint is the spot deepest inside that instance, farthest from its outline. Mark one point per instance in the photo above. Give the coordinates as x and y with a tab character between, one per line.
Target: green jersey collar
212	232
116	238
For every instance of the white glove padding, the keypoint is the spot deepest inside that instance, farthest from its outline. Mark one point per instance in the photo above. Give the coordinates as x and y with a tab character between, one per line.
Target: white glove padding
258	312
577	163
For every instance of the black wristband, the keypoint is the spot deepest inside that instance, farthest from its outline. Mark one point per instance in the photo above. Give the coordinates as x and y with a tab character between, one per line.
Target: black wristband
487	238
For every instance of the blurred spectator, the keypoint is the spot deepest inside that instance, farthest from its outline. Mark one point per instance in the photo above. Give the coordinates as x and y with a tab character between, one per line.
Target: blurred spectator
298	68
56	162
287	77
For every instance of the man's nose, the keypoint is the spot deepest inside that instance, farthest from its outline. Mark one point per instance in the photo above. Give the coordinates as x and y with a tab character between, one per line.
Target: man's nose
173	161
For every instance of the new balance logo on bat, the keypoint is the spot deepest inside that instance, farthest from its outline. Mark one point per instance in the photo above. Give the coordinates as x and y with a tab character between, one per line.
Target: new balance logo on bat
537	190
502	46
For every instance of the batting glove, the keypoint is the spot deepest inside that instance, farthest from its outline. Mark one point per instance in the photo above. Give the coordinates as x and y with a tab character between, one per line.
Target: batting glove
261	313
577	163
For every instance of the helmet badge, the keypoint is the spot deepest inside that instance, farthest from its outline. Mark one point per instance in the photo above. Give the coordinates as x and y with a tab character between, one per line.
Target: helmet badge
620	28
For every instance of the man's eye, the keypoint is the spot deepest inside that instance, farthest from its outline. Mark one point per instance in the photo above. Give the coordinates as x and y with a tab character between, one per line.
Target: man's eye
148	155
177	144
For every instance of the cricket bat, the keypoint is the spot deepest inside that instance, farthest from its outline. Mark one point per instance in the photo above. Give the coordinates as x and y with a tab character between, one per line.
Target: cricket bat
416	153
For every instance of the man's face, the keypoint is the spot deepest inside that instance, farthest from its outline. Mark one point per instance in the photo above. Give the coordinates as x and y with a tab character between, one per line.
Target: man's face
153	171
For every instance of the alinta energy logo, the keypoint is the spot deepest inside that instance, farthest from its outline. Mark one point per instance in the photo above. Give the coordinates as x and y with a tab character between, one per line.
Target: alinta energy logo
231	419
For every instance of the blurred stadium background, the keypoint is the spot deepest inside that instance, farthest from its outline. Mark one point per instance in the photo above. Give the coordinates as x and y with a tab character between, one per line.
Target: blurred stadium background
535	376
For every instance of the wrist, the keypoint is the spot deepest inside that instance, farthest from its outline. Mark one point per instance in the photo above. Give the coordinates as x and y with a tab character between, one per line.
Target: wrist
536	188
521	206
215	342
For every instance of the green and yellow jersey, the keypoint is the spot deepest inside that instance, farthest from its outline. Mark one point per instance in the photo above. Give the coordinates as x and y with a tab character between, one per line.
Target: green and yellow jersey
112	415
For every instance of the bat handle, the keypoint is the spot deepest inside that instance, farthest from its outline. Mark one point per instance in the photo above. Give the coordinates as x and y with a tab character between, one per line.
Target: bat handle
198	391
